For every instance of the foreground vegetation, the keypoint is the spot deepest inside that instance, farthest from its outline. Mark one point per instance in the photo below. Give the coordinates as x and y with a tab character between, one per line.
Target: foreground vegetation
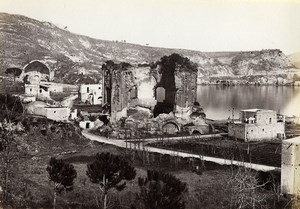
210	186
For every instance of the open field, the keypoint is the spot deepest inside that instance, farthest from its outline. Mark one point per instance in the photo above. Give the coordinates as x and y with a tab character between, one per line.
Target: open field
265	153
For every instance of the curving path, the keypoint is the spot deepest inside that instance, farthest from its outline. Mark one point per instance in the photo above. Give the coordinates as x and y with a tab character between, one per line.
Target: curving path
221	161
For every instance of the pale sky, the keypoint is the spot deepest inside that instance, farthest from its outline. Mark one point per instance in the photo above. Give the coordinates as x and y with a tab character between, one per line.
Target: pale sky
204	25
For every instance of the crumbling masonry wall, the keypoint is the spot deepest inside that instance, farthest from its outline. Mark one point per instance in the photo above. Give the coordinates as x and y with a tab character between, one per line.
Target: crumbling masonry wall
127	86
179	80
186	85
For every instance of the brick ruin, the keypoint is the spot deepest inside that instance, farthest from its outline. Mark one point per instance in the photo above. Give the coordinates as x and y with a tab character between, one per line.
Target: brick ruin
163	91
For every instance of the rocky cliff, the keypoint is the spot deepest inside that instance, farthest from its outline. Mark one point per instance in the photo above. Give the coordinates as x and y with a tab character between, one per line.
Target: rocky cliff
77	58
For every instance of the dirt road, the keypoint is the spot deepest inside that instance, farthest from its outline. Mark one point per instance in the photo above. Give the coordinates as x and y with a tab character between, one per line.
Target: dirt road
122	143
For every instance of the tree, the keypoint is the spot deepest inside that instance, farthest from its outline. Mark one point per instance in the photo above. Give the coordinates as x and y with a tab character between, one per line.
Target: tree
10	106
161	191
62	175
16	72
110	171
246	189
11	150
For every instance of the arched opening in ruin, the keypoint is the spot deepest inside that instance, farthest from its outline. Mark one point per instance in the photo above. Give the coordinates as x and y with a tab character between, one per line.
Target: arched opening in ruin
133	92
170	128
196	132
108	95
165	101
38	67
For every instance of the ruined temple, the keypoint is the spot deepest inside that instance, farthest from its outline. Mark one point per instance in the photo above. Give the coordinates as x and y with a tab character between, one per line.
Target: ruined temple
37	71
177	84
167	86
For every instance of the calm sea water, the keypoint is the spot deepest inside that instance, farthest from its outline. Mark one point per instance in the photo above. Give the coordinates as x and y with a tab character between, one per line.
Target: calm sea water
220	102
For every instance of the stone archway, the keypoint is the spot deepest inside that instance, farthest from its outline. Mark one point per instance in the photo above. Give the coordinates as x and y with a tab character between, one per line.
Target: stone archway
38	67
196	132
170	127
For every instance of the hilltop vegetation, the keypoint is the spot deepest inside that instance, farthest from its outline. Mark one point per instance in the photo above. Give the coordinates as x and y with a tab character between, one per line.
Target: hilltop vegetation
71	55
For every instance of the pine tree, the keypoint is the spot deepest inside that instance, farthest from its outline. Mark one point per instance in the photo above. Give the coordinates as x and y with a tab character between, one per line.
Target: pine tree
161	191
110	171
62	175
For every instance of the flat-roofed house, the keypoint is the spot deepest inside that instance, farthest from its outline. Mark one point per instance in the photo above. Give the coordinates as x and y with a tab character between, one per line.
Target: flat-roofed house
257	124
57	113
51	112
91	93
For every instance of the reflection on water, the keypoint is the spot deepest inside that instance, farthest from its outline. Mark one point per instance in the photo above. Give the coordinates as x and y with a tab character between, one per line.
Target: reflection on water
218	102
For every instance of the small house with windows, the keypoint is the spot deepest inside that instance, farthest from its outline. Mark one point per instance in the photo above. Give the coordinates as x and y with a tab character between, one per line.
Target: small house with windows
43	90
91	94
31	89
257	124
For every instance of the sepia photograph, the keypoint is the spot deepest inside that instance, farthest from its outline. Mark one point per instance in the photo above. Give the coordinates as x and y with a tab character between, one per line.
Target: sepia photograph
150	104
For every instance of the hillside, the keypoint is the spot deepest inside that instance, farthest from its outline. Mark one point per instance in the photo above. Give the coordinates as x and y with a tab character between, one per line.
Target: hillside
295	59
23	39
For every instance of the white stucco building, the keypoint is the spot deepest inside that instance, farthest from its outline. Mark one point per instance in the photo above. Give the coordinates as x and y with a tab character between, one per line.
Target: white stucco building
86	124
257	124
91	93
58	113
44	90
51	112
